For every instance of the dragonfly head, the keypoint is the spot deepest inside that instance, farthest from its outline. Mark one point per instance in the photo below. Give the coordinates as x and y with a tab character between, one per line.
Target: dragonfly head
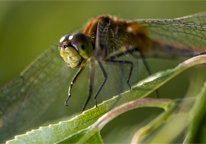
75	49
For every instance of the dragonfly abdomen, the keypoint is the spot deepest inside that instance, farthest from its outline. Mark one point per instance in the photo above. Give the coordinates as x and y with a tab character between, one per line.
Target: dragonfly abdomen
169	50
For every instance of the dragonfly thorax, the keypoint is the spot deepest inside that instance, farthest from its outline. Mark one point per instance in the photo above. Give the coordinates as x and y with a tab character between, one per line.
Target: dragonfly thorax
75	49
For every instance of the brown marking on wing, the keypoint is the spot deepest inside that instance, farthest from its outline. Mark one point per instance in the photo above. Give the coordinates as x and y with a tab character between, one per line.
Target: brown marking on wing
140	36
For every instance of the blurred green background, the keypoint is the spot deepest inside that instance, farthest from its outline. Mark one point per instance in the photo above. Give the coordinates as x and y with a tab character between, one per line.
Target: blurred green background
28	28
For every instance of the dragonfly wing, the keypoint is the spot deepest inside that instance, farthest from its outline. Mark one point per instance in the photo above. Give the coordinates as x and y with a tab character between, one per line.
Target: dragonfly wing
188	30
25	99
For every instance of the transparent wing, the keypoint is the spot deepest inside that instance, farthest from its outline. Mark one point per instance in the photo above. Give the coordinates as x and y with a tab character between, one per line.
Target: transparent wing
188	30
25	99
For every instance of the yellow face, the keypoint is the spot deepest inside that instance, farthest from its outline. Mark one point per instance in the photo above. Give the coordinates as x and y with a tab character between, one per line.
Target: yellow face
75	49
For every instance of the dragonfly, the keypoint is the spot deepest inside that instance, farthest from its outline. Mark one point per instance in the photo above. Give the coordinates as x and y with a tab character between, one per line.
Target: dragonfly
104	39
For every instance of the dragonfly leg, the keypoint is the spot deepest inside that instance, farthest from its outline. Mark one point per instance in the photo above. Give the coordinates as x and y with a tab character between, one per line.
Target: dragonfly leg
72	82
105	79
111	60
142	57
123	62
131	51
147	68
91	83
144	62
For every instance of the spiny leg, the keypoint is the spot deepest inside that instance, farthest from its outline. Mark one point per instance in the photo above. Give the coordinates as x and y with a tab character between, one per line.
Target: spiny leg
105	79
144	62
111	59
91	83
72	82
147	68
142	57
91	78
123	62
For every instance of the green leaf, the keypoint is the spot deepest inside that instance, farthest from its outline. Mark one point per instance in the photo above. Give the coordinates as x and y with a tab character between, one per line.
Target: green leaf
170	125
95	138
198	126
78	126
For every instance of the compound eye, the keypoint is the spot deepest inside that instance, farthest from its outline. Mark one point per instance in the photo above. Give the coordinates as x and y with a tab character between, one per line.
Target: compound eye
78	39
62	41
83	44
